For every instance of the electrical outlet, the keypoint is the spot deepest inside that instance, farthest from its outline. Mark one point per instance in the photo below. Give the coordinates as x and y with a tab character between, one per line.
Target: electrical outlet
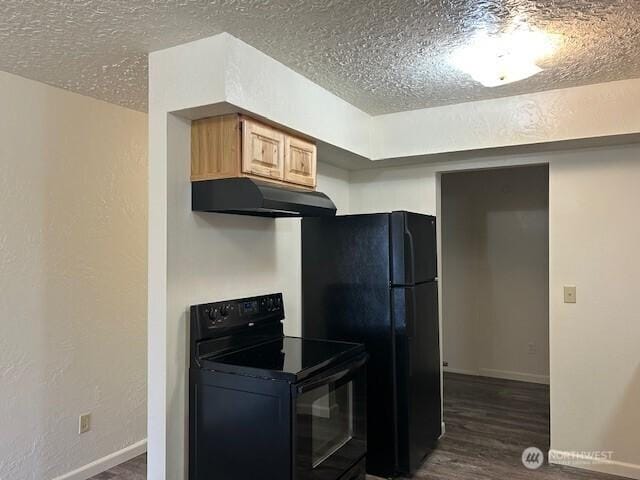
84	423
532	349
569	294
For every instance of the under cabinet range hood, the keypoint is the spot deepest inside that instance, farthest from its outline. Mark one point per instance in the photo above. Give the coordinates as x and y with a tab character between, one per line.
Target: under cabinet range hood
247	196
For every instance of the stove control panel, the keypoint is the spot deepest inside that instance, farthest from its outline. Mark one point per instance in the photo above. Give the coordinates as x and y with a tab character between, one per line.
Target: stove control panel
242	312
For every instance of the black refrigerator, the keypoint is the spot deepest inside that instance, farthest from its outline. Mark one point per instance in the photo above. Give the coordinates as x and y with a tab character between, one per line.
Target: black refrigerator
373	279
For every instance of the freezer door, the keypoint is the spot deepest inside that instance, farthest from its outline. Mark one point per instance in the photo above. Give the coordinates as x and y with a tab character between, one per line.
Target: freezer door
415	317
413	248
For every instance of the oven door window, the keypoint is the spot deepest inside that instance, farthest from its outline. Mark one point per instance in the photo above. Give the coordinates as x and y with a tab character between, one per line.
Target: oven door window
330	415
330	426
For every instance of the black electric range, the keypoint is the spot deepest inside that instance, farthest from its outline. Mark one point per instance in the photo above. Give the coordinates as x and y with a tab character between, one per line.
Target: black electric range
263	405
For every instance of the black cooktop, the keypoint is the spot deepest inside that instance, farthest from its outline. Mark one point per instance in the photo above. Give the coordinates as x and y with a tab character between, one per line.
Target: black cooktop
287	358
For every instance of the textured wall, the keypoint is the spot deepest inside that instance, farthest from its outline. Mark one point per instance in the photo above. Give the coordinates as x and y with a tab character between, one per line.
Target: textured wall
577	113
495	272
595	343
72	276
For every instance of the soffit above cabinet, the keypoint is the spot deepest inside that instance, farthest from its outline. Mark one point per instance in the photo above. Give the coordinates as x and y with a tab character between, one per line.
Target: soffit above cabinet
187	83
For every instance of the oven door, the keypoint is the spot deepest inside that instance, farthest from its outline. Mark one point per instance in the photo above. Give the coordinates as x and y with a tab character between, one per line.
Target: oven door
329	424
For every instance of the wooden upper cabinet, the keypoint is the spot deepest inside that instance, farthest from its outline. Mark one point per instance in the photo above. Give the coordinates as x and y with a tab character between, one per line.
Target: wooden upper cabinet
215	148
262	150
300	162
236	146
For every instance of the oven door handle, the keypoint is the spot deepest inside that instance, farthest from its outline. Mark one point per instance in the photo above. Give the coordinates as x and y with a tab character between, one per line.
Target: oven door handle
318	382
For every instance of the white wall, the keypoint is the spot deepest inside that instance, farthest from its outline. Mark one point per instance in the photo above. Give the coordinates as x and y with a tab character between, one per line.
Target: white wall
415	187
72	279
589	111
495	288
593	234
402	188
595	343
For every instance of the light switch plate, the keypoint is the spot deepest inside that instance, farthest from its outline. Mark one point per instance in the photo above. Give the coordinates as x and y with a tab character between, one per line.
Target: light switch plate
569	294
84	423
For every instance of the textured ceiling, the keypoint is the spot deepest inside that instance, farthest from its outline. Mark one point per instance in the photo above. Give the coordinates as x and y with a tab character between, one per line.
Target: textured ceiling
382	56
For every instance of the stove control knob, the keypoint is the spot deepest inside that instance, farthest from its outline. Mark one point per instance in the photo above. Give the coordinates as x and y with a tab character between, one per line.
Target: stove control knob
278	302
270	303
213	313
225	310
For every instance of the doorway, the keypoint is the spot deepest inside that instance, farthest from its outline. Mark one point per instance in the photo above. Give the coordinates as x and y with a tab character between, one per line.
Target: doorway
495	273
495	316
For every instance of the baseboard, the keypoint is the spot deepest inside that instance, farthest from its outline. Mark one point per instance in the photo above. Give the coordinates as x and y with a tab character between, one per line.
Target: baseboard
105	463
611	467
503	374
460	371
519	376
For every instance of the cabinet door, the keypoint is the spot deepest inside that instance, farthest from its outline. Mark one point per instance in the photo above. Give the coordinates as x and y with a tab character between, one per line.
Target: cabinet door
262	150
300	162
215	148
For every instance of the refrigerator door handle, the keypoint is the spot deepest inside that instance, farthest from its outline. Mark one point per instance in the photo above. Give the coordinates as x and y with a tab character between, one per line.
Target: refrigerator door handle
410	326
410	348
414	333
409	257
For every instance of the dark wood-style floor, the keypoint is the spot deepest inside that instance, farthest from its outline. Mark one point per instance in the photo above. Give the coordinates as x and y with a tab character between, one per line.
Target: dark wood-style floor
489	423
134	469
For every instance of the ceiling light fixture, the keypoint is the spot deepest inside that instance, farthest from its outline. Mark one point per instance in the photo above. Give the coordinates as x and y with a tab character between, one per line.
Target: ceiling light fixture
495	60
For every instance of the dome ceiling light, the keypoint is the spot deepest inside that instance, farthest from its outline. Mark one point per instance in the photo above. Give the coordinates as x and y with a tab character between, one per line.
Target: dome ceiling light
495	60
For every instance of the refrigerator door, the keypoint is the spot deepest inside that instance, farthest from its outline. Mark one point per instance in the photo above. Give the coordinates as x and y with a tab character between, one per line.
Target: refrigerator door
345	296
415	317
413	248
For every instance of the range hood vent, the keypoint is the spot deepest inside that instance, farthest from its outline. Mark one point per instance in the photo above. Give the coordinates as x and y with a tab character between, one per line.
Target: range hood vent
246	196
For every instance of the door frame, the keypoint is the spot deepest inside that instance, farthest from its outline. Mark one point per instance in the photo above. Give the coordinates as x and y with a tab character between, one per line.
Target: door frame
488	164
